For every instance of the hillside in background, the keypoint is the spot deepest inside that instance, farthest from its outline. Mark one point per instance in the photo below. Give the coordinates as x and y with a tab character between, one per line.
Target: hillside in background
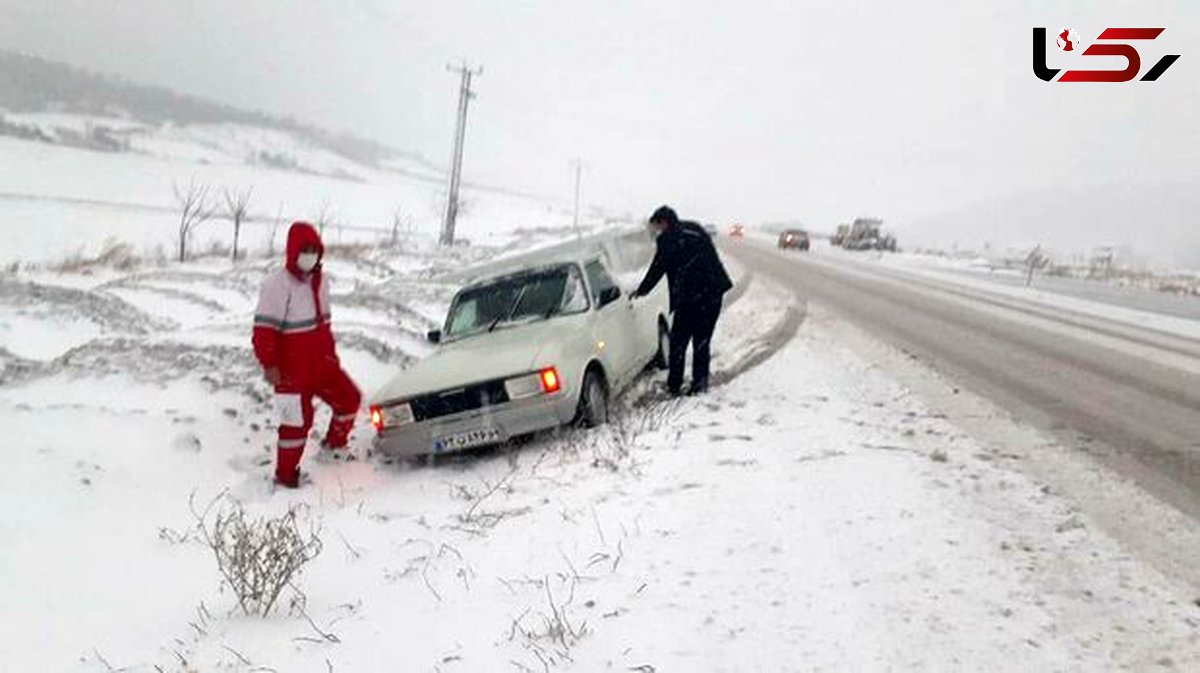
90	162
1143	224
29	84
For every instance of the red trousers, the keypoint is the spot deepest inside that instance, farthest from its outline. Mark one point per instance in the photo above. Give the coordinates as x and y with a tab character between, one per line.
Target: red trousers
334	388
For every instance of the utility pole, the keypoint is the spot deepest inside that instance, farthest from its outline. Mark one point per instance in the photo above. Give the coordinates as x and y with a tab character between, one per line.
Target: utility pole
464	98
578	175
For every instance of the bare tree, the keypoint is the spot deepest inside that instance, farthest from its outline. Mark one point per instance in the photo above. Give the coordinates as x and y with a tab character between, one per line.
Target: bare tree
1034	261
275	224
237	202
194	208
325	217
398	220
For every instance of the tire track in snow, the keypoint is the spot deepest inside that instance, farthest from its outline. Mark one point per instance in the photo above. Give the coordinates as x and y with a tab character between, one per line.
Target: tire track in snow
757	351
739	289
108	311
765	346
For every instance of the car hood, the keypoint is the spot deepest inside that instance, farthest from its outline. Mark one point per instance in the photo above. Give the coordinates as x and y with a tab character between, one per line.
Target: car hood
484	357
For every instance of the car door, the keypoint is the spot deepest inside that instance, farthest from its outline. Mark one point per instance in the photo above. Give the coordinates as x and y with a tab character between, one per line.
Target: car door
615	325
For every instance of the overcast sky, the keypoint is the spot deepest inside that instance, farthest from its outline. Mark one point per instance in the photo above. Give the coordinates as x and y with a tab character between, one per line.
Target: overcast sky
753	110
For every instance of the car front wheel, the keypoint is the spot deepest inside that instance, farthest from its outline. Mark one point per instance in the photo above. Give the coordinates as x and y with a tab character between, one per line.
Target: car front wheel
593	402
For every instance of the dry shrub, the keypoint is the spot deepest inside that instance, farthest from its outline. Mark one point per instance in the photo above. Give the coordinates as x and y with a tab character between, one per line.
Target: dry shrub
259	556
612	446
548	633
113	254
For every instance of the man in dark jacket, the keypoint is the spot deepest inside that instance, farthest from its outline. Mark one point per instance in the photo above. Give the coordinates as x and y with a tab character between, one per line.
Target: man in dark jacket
697	282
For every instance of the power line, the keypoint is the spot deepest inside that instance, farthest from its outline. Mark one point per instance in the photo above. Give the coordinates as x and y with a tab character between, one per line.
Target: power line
464	98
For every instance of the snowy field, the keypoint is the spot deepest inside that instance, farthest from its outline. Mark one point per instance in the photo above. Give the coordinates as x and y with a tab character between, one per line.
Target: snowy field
1173	294
59	202
809	514
1175	315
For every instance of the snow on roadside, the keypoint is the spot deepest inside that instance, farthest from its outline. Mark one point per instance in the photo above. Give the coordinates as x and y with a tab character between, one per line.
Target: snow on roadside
807	514
1144	318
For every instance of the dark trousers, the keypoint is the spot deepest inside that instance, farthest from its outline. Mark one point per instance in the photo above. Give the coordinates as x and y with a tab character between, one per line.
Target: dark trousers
692	324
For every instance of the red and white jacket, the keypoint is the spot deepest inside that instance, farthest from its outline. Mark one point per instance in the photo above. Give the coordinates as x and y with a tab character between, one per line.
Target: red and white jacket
292	322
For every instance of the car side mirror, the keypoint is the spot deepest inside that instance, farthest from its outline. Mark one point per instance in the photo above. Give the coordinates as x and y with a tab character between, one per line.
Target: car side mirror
434	336
609	294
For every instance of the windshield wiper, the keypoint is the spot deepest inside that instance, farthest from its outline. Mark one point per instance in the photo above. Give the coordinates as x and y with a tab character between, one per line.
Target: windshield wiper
507	315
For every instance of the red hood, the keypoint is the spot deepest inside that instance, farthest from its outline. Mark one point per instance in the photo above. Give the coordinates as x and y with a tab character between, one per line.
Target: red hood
300	235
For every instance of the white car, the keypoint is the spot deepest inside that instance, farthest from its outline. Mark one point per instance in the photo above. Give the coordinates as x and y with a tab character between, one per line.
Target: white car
528	350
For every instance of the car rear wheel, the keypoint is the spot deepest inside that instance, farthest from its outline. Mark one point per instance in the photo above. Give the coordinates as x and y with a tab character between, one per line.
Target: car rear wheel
593	402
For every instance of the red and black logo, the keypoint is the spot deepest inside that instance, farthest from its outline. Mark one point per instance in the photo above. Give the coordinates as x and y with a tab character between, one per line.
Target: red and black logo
1110	43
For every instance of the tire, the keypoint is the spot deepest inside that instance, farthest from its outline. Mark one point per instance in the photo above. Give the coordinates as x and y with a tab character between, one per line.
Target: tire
664	347
593	401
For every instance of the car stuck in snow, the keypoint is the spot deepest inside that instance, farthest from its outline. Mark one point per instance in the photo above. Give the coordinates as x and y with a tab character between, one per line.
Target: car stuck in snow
530	349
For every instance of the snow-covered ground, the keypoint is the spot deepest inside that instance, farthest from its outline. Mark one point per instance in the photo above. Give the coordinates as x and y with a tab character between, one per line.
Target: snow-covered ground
59	201
1129	306
809	514
1174	294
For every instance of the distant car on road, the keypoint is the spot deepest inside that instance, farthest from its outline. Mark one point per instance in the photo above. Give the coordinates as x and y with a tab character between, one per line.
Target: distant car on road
711	229
737	231
525	351
793	238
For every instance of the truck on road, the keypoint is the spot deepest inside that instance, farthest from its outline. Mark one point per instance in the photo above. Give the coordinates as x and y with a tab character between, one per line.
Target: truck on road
865	233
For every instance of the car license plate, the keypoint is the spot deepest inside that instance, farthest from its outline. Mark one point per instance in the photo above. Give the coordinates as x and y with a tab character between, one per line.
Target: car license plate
466	440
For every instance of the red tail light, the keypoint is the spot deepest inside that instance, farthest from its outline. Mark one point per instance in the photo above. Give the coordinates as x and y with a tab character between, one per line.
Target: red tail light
377	418
550	381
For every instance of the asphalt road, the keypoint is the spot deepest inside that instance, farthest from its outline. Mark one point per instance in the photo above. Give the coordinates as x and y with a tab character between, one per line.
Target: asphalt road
1129	395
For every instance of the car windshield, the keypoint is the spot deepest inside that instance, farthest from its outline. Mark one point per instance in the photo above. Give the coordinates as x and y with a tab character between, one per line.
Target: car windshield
516	299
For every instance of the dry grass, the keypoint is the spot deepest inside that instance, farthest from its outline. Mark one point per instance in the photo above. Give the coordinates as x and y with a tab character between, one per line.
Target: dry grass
258	557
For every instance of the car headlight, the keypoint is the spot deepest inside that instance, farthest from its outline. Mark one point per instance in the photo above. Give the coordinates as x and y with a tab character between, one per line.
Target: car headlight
392	415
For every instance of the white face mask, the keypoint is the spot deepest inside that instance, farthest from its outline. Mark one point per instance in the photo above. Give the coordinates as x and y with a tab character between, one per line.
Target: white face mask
307	261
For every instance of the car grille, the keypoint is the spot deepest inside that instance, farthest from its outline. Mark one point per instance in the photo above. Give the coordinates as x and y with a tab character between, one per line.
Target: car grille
445	403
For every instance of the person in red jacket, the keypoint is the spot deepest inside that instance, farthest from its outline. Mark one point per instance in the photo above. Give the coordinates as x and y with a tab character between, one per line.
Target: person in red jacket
293	342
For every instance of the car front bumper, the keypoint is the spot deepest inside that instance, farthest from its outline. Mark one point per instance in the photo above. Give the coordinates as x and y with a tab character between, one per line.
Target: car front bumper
511	419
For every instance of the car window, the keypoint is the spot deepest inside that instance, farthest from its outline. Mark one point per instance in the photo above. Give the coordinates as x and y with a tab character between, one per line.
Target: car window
600	281
464	316
574	299
533	296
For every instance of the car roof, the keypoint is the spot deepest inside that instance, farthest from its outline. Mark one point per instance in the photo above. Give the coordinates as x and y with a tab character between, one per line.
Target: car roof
497	275
579	251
